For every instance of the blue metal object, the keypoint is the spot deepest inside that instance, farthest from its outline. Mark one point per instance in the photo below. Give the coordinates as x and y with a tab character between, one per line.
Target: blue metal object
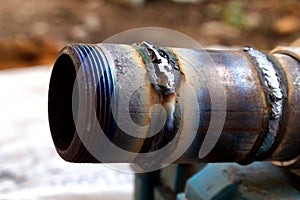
144	185
260	180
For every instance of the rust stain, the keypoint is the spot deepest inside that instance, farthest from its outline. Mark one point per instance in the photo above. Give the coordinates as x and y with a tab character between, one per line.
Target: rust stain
180	65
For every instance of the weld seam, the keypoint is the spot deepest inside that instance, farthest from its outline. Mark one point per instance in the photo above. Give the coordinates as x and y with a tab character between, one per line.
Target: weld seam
276	94
163	70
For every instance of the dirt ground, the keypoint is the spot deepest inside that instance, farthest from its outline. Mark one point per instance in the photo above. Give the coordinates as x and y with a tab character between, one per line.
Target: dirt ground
33	31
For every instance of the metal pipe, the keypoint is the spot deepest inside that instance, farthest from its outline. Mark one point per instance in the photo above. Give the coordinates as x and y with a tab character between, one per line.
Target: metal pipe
101	100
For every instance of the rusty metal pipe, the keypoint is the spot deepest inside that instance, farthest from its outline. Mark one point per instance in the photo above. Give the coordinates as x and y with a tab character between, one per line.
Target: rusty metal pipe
89	83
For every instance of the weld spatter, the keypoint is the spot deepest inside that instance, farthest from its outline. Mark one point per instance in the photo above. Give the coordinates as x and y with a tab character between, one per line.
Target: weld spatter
163	75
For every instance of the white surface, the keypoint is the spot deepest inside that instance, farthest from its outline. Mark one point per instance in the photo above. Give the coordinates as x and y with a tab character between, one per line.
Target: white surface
30	168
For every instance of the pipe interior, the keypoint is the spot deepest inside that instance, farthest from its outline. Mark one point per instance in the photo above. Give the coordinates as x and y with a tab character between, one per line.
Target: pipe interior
60	102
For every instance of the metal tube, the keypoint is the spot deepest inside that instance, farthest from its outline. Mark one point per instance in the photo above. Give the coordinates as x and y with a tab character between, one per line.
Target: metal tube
116	86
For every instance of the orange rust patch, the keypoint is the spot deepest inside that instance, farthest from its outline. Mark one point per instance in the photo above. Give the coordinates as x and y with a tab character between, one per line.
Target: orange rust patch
180	65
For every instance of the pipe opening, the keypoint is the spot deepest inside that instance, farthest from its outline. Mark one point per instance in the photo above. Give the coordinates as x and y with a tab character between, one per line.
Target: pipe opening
60	102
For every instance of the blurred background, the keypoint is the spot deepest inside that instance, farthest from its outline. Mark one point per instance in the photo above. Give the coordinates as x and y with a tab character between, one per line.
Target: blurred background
33	31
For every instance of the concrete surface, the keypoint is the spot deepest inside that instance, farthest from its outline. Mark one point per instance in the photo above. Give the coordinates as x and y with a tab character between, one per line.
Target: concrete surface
30	168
